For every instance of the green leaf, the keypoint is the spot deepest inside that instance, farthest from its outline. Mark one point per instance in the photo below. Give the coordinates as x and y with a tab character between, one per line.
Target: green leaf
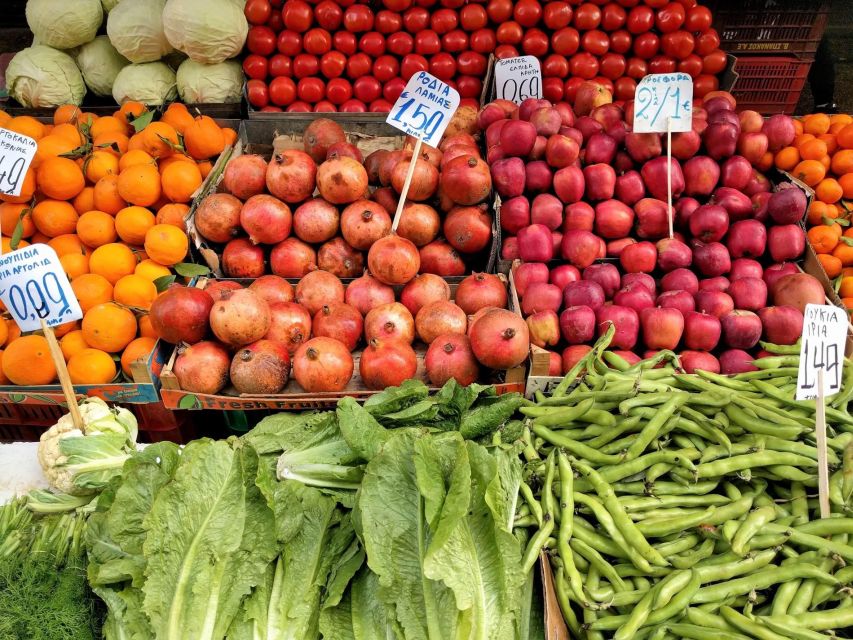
847	241
841	221
189	401
142	121
163	282
18	233
188	269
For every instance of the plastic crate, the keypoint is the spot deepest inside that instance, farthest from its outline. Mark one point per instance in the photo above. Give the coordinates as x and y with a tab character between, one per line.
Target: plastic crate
770	26
26	422
770	84
157	423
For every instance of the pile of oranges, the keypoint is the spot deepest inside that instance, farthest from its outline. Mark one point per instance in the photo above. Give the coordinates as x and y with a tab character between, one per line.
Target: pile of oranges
109	194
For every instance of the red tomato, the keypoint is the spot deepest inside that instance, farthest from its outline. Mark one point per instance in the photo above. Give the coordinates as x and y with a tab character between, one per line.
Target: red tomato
552	89
317	42
333	64
452	4
555	66
372	43
289	43
628	3
469	86
587	16
527	13
388	22
442	66
305	66
276	4
282	91
584	65
338	91
510	33
613	17
324	106
258	93
646	45
358	18
271	109
444	20
297	15
624	88
714	62
691	65
678	44
311	90
698	19
427	42
612	65
596	42
636	68
380	106
570	88
661	64
565	41
670	18
473	17
300	106
353	106
454	41
385	68
656	4
329	15
261	40
416	19
345	42
358	65
471	63
704	84
621	41
535	43
257	11
367	89
640	19
412	64
275	21
281	66
255	66
688	4
557	15
707	42
499	10
483	41
397	5
400	43
503	51
392	89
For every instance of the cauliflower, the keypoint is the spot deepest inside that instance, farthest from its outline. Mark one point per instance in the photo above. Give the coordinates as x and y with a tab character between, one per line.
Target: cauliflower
83	462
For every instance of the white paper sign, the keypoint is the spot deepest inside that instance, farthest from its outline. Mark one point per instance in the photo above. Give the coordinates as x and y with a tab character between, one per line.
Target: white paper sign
16	153
34	287
425	108
663	99
821	347
517	79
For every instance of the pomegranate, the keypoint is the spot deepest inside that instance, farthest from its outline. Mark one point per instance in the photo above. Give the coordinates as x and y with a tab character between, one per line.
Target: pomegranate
337	257
290	324
387	363
500	339
468	229
391	320
450	356
267	220
242	259
273	289
245	176
342	180
424	179
481	290
363	223
322	364
393	259
422	290
291	176
340	321
261	368
216	287
466	180
318	288
386	197
180	314
440	317
292	258
440	258
202	367
316	221
344	149
240	317
389	161
419	223
372	163
321	134
217	218
366	293
473	318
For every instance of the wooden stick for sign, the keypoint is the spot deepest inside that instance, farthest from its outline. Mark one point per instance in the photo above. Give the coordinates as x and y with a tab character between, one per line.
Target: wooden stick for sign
64	378
820	435
402	202
669	213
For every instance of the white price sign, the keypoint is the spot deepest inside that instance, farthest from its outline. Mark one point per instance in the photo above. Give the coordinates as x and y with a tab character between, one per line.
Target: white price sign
663	101
425	108
821	347
16	153
34	287
517	79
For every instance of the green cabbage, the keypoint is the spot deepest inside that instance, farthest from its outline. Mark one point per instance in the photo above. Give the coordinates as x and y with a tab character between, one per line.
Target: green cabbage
100	63
41	76
208	31
210	83
136	30
150	83
62	24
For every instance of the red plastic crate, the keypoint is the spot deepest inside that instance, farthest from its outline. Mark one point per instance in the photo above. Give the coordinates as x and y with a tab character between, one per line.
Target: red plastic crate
770	84
26	422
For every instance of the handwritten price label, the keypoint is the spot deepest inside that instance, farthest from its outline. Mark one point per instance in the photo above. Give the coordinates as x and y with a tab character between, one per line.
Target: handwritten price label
34	287
517	79
663	100
821	347
16	153
425	108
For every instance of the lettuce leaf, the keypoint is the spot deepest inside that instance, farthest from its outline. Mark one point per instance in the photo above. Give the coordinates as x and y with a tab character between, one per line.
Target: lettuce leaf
360	615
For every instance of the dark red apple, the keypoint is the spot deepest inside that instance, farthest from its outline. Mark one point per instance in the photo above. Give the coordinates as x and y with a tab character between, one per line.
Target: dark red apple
681	300
684	208
782	324
655	173
736	173
541	296
577	324
736	203
717	283
680	279
776	271
643	146
715	303
635	296
583	293
643	279
535	243
548	210
701	331
673	254
786	242
652	218
600	148
701	175
736	361
711	259
527	273
600	181
537	177
625	321
564	274
709	223
630	187
787	205
741	329
746	268
748	293
606	274
747	239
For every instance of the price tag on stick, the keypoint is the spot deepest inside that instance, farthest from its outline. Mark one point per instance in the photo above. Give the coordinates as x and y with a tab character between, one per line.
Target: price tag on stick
16	153
517	79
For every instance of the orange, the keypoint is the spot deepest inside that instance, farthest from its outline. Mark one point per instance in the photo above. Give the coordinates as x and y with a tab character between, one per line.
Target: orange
140	184
54	217
66	113
107	124
91	366
132	223
166	245
106	197
159	139
115	143
150	270
844	137
135	291
67	243
813	150
60	178
96	228
67	327
100	164
109	327
138	349
137	156
85	200
846	182
830	142
130	110
3	379
52	146
206	166
75	264
4	118
162	163
27	361
830	264
68	132
180	180
816	212
11	214
798	127
204	139
841	118
14	332
91	290
113	261
230	136
28	188
842	162
846	288
802	138
844	252
177	115
6	245
135	143
822	238
146	330
828	190
26	125
72	342
173	214
816	123
4	331
809	171
787	158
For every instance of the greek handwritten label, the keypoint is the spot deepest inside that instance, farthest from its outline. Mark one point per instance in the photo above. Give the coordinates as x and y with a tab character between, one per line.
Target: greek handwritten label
16	153
663	100
821	347
517	79
34	287
425	108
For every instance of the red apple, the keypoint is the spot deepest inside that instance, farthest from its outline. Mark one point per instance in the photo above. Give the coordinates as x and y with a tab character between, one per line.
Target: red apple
600	148
527	273
720	139
624	319
515	214
680	279
561	151
717	283
643	146
780	131
613	219
655	172
643	279
639	257
577	324
709	223
711	259
569	184
517	138
606	274
747	238
541	296
548	210
748	293
701	175
787	205
538	177
578	215
715	303
692	361
564	274
555	364
574	354
736	203
535	243
760	206
662	327
673	254
681	300
786	242
752	146
750	121
600	181
701	331
775	271
614	247
736	172
589	96
686	144
746	268
630	187
736	361
580	248
583	293
741	329
684	208
782	324
635	296
544	328
652	218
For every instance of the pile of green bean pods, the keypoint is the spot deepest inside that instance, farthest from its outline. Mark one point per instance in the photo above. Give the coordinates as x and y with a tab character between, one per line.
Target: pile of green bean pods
686	506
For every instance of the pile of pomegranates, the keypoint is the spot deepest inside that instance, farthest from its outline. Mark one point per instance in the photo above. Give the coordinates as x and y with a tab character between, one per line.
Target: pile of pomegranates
584	207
